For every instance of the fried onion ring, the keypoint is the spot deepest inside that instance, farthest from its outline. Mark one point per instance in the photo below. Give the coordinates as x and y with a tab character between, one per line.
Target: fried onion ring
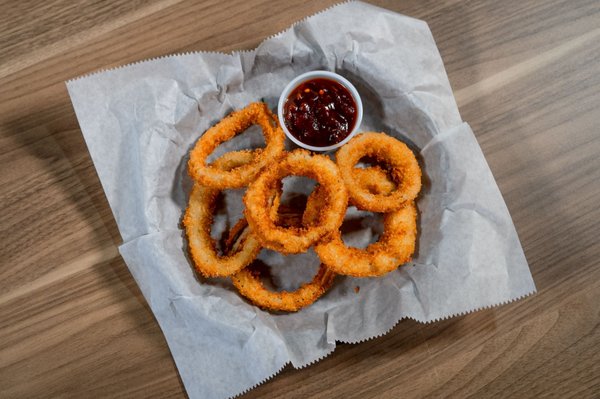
401	164
247	281
199	218
394	248
238	121
296	239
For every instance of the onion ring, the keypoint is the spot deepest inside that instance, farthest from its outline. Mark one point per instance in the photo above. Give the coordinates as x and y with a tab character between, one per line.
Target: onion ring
296	239
198	219
402	165
247	281
395	246
236	123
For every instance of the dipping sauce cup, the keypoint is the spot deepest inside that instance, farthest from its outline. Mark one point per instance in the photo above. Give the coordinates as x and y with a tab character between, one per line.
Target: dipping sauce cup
320	110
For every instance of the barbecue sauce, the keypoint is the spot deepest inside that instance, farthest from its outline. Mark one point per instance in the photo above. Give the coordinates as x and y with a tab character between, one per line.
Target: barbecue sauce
320	112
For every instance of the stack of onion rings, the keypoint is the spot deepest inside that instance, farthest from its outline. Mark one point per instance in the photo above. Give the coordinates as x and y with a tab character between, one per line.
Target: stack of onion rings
393	248
390	187
248	283
199	217
401	164
294	240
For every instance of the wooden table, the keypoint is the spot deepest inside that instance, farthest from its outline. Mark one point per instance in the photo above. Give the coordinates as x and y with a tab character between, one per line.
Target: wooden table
73	322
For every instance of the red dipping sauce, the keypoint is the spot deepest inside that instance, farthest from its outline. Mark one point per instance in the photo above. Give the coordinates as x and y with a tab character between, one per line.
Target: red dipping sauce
320	112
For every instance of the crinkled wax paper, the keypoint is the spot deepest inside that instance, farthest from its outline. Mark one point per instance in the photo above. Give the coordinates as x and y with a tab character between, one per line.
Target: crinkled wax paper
140	121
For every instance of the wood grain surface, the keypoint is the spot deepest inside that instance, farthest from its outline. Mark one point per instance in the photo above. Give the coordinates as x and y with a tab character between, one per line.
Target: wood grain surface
73	323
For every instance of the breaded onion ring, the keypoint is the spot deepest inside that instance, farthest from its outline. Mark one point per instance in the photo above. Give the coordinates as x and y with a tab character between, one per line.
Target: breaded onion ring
247	281
401	164
199	218
236	123
296	239
395	246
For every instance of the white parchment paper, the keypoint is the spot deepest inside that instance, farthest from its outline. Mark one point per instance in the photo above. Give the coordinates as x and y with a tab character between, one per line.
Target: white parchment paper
140	121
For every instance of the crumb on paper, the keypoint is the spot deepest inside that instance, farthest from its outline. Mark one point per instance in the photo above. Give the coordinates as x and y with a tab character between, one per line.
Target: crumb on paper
356	289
